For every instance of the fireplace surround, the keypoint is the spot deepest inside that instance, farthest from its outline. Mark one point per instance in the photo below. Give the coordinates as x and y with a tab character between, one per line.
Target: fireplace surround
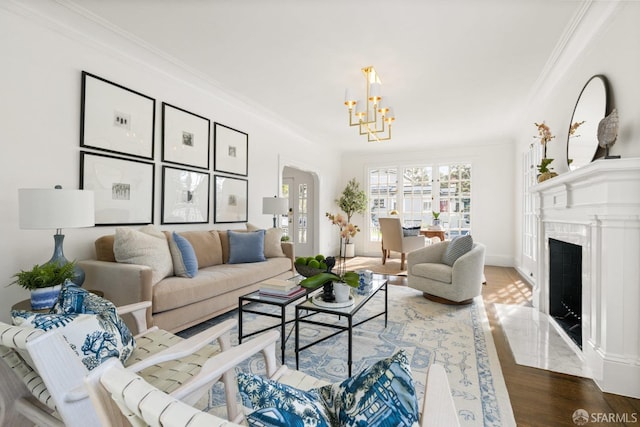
597	208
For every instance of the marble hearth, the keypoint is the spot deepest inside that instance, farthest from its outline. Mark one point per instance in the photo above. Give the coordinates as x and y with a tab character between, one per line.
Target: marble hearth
597	208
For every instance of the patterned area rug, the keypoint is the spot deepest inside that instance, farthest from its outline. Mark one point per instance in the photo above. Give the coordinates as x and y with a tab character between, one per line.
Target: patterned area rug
391	266
457	337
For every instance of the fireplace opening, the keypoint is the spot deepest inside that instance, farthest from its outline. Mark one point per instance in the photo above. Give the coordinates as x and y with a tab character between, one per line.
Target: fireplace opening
565	287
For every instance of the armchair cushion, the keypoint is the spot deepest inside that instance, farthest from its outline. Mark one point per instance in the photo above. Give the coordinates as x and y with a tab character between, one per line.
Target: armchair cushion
381	395
459	246
440	272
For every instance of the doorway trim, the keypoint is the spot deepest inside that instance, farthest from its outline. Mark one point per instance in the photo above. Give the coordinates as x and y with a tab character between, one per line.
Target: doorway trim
283	162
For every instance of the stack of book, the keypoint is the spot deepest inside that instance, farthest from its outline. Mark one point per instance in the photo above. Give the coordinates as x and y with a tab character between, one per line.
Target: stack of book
280	288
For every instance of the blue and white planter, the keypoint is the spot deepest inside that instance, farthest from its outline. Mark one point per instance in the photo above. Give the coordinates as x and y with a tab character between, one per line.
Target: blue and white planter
43	298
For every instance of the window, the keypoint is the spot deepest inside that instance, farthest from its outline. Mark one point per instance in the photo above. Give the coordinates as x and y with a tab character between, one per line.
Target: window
441	188
530	225
303	212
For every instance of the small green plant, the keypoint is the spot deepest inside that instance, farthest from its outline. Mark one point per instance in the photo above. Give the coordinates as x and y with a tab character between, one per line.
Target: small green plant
44	276
436	215
544	165
285	239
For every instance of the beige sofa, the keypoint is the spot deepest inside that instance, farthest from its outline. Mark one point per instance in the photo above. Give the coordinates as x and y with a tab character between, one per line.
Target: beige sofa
181	302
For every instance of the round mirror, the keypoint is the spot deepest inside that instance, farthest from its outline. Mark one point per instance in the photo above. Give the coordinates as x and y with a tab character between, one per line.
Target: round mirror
591	107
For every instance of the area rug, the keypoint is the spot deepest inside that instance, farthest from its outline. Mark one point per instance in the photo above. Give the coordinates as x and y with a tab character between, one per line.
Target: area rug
391	266
457	337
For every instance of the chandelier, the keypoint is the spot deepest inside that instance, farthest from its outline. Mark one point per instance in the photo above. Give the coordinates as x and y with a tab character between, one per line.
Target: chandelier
373	116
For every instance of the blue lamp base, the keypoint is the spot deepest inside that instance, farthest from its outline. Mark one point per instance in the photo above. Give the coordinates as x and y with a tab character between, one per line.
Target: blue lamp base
59	259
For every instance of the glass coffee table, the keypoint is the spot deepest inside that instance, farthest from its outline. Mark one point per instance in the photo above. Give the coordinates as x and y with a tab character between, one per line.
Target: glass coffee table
307	309
255	303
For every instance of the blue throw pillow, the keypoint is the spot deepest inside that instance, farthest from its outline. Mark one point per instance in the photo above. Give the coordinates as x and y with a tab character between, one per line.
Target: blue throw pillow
246	246
459	246
382	395
185	262
410	231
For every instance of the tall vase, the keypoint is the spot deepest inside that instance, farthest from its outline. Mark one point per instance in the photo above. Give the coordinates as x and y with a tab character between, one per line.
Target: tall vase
349	250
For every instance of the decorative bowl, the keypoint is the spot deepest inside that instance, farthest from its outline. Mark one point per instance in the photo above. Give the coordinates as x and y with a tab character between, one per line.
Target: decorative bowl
306	271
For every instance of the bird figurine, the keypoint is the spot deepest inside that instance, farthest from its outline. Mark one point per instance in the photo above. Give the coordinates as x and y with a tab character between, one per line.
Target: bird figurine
608	132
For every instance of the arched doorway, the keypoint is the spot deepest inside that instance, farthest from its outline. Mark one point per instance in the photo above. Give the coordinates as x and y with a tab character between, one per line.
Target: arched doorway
302	228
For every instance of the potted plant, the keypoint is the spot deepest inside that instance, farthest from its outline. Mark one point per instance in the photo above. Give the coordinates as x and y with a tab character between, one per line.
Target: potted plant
436	219
545	171
545	136
45	282
352	200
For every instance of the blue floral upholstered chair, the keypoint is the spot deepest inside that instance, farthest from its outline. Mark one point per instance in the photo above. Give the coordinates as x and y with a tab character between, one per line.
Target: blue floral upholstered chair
46	358
282	397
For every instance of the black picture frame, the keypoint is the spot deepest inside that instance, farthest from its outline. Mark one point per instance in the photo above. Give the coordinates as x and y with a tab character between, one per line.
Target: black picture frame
186	137
185	196
230	199
116	119
123	188
231	154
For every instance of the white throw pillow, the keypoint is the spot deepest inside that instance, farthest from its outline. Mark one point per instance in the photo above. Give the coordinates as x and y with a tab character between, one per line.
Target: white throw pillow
272	245
148	246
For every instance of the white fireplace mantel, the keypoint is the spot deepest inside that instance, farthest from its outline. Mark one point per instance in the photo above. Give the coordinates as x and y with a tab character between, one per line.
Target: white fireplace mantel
598	208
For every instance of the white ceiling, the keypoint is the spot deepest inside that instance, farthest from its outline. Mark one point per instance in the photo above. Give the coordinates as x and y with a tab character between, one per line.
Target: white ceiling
455	71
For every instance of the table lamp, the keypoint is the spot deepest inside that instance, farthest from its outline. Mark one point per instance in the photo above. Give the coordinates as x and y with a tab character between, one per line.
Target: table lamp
275	206
55	208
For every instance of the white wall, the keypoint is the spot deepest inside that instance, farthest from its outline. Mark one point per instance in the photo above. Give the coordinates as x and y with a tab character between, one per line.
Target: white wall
613	51
492	191
42	60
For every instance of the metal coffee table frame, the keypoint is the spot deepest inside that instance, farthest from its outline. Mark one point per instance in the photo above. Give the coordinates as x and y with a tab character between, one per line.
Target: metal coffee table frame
311	309
245	302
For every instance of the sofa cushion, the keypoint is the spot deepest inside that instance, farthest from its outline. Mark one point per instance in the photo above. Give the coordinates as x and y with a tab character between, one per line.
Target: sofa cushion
174	292
147	246
206	245
272	242
224	242
459	246
185	263
104	248
246	247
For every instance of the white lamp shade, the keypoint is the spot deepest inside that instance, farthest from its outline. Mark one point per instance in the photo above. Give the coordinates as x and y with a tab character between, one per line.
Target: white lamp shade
275	205
51	208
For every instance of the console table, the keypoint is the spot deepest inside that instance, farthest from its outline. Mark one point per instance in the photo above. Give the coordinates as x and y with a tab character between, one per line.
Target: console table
433	233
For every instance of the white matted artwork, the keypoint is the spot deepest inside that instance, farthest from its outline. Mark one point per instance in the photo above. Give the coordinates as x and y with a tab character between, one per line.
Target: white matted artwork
185	196
115	118
185	137
231	150
230	199
123	188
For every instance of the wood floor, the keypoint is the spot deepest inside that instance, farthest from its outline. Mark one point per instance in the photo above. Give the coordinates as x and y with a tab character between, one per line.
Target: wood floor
540	397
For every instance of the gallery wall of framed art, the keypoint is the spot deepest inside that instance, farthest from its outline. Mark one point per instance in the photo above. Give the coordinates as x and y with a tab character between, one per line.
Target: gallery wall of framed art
121	122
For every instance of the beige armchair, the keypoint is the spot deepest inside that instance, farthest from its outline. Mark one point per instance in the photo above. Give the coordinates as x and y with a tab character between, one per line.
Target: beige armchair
394	240
457	284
